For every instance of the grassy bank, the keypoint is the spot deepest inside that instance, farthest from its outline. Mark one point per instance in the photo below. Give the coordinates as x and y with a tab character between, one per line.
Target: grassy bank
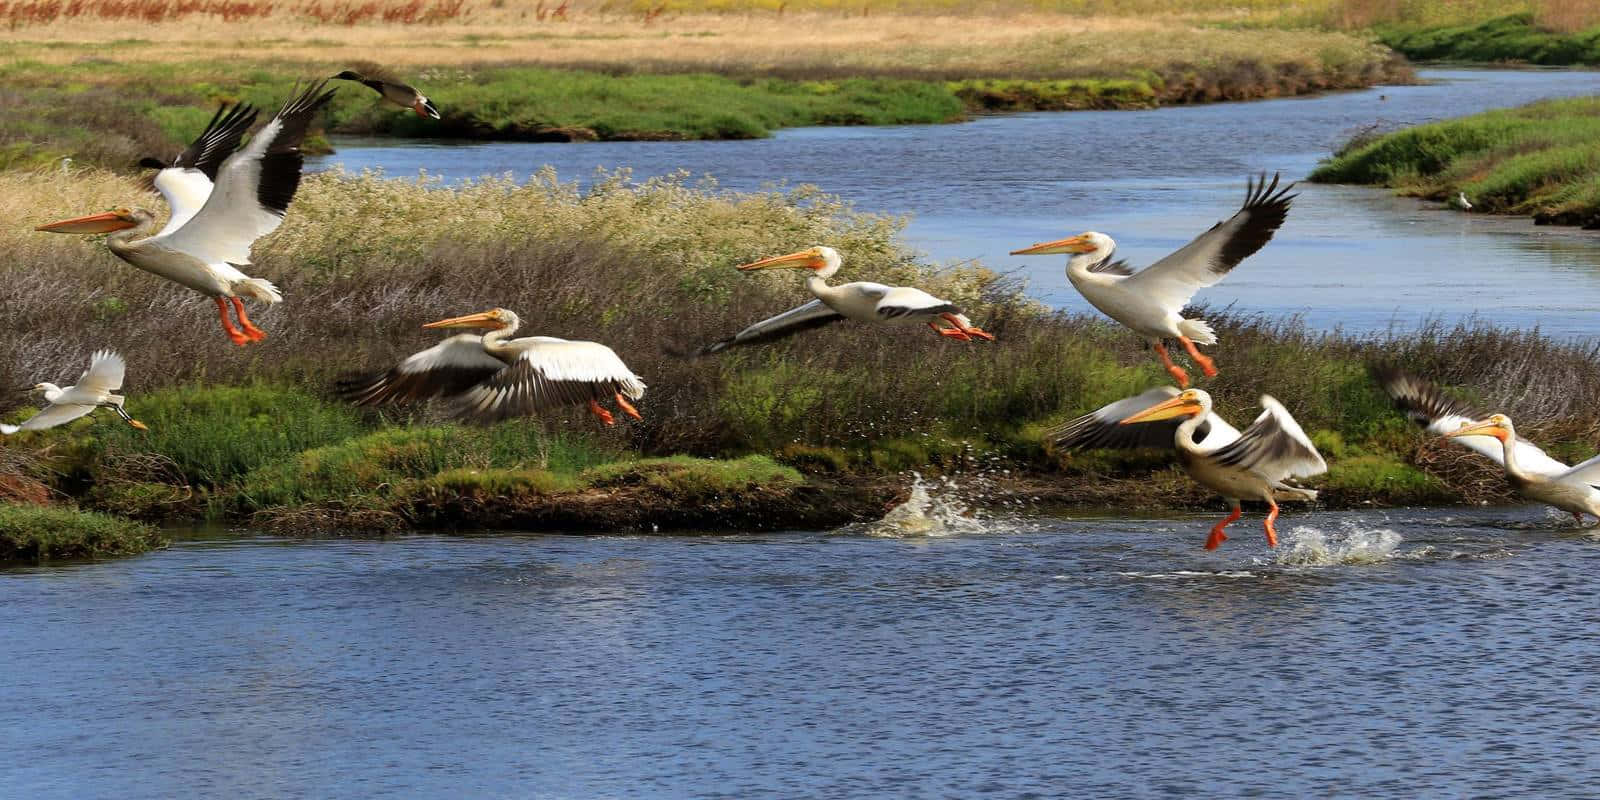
34	534
102	91
1541	160
1516	39
812	431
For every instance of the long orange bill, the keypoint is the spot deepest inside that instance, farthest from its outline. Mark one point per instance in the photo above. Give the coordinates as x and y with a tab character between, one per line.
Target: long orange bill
1485	428
1176	407
1071	244
482	319
94	223
805	259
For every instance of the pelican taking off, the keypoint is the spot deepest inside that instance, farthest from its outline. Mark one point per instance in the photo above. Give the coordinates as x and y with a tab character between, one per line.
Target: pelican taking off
1239	466
490	377
252	192
1150	301
390	88
186	182
860	300
1531	472
93	390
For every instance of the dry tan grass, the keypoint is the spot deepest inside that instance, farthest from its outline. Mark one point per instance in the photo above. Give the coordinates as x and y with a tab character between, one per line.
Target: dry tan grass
1012	45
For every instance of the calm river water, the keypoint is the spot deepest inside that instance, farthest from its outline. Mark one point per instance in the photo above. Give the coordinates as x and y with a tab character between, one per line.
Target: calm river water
1447	653
1354	258
1438	653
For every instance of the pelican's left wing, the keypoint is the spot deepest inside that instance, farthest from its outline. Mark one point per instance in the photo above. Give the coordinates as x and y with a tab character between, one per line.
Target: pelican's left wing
449	367
1273	446
1174	280
549	373
253	187
801	318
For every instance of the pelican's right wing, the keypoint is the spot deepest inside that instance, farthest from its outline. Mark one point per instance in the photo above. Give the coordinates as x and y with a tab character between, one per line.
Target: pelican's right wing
447	368
1103	428
1174	280
1274	446
804	318
49	418
1438	413
187	182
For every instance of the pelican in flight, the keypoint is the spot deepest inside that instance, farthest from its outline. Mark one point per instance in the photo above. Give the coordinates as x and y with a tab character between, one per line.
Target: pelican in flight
95	389
860	300
252	191
187	180
489	377
1239	466
1150	301
1531	472
390	88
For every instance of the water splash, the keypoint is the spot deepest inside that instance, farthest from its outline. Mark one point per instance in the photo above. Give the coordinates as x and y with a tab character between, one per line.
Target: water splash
933	508
1311	547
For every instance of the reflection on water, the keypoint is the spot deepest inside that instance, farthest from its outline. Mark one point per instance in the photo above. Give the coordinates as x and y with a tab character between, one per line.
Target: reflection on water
1440	653
1351	258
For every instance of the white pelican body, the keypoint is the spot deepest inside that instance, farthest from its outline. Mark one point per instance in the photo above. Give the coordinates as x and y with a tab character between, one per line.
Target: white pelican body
1529	470
253	189
95	389
390	88
1239	466
1151	301
490	377
862	301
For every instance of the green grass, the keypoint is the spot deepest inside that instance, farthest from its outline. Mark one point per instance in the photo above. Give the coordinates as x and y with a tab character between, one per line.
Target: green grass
39	533
1513	38
1541	159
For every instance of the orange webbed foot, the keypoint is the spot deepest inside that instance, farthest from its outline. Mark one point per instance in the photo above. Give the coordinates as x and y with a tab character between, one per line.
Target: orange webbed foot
1216	539
601	413
627	408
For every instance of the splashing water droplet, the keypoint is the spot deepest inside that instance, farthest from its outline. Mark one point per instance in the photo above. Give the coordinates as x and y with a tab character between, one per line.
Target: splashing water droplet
1354	545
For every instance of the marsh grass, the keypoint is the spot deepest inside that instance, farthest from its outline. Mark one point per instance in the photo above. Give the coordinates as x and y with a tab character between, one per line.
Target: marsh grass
31	533
640	266
1541	159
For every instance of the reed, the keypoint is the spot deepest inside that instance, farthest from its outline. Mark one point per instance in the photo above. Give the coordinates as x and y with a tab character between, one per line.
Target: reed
35	534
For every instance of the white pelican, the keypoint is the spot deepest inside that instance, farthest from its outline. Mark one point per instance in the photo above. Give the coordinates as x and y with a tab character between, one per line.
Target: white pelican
1239	466
1531	472
187	180
94	389
253	189
488	377
389	88
1150	301
860	300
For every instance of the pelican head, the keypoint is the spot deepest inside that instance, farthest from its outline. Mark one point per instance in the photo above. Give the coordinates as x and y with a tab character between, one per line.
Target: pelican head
1187	403
114	220
1497	425
493	319
1090	242
824	261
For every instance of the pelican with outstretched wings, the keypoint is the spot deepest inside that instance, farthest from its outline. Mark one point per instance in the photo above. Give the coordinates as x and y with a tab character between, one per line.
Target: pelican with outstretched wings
859	300
489	377
1253	465
252	191
1529	470
1151	301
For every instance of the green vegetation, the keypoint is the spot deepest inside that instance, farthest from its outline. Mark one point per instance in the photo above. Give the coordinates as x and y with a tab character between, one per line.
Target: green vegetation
814	430
36	533
1541	159
1515	38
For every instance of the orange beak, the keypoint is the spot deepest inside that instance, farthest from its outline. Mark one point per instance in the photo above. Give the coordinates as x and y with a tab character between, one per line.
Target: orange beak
482	319
805	259
1071	244
1485	428
94	223
1179	406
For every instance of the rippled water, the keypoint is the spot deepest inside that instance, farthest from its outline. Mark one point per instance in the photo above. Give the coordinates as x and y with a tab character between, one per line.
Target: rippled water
1446	653
1354	258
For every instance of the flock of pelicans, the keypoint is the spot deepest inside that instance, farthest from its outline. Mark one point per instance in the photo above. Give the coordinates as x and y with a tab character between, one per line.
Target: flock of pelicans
222	198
